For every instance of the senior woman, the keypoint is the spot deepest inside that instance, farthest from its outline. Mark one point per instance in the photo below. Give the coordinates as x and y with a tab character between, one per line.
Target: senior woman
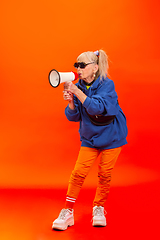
93	103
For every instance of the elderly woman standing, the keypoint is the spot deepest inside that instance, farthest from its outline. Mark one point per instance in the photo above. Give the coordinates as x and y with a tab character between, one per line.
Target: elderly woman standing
94	103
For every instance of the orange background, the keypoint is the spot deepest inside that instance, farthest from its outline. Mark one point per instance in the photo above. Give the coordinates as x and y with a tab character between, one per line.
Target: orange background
38	145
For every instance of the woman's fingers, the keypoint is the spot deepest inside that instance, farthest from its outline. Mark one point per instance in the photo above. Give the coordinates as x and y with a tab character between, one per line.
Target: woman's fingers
67	95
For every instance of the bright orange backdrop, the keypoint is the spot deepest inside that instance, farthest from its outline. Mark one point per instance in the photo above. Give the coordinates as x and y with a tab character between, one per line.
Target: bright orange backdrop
38	145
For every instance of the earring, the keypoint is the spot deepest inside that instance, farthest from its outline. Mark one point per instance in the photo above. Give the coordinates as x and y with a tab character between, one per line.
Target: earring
94	75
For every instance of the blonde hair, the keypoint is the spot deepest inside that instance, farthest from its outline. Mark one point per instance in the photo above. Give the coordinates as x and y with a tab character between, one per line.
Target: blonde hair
101	60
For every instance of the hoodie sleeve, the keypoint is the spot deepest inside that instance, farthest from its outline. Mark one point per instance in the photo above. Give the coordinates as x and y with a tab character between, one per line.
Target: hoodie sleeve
104	101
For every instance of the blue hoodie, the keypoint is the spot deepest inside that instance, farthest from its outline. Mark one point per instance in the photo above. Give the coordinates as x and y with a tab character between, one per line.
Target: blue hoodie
101	100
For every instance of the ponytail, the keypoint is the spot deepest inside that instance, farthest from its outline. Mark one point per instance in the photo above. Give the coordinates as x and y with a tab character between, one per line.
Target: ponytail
103	64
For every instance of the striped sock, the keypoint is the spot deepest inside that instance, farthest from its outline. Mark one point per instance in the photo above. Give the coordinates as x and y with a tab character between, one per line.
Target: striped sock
70	201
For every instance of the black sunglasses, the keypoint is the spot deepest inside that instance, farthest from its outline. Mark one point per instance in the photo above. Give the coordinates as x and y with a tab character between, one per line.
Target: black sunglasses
81	64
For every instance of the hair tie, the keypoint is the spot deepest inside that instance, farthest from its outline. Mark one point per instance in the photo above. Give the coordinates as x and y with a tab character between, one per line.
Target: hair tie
97	53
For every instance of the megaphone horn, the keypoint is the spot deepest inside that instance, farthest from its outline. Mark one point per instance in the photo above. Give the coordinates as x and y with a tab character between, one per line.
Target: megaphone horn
55	77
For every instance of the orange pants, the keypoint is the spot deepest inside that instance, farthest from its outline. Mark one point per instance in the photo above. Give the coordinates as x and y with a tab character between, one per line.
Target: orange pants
86	158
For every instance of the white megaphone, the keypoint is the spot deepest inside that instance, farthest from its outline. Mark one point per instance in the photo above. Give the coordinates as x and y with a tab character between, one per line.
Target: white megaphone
55	77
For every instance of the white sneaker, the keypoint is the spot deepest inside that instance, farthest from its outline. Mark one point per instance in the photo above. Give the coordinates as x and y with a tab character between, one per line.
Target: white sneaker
99	218
64	220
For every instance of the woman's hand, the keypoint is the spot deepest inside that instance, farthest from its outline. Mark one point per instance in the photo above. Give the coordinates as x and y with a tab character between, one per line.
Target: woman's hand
68	96
73	89
70	87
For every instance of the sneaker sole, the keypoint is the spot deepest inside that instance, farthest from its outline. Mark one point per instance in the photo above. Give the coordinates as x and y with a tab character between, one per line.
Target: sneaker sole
98	223
63	227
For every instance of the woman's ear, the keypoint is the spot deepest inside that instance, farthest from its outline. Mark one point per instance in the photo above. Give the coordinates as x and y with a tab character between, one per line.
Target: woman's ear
96	67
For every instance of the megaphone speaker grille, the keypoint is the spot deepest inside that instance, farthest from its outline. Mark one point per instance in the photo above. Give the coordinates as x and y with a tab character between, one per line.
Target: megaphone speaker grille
54	78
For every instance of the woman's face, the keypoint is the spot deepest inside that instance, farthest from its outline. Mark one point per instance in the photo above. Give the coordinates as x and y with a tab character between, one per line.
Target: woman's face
87	73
